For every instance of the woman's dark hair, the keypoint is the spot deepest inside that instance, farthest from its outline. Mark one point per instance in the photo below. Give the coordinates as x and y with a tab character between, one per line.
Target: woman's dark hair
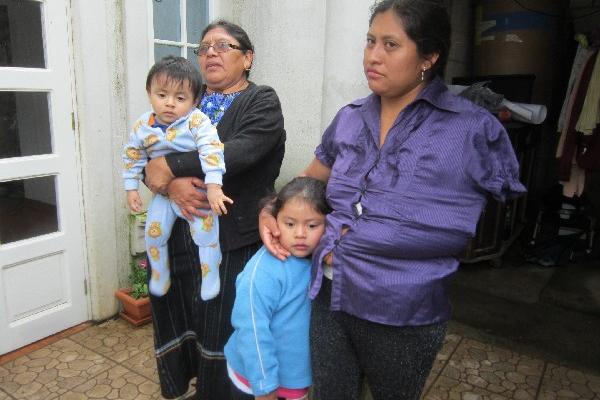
427	23
304	188
236	32
177	70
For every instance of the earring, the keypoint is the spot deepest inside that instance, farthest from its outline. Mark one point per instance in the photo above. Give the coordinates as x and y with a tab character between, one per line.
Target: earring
423	74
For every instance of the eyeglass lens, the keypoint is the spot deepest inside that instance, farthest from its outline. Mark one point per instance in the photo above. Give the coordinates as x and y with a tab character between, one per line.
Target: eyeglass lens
219	47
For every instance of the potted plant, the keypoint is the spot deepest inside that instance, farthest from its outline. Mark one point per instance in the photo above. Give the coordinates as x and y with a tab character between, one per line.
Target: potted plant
135	300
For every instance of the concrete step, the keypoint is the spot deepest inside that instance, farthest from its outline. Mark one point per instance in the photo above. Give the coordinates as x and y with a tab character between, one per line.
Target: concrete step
553	313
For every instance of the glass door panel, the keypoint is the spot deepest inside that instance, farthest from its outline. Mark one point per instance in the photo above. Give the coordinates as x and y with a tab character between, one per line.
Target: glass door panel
27	208
163	50
24	124
21	43
167	23
196	19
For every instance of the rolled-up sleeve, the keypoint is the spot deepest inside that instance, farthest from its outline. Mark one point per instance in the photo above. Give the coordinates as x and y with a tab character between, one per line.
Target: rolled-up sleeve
490	159
326	151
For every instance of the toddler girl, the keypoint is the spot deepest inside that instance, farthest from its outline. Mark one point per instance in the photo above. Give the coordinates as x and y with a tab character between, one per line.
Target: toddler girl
267	354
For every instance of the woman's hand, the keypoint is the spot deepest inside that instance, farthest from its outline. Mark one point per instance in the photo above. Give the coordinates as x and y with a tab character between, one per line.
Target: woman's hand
183	191
269	233
328	259
316	169
158	175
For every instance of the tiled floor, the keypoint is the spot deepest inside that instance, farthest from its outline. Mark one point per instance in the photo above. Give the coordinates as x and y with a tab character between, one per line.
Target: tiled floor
115	361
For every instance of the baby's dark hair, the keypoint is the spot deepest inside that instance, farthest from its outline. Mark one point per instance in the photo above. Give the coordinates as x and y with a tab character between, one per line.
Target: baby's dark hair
176	70
304	188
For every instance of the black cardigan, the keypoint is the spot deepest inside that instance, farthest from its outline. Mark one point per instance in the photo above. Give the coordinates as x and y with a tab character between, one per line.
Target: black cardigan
254	137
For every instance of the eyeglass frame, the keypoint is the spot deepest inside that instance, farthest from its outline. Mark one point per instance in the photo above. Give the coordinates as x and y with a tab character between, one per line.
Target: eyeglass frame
224	49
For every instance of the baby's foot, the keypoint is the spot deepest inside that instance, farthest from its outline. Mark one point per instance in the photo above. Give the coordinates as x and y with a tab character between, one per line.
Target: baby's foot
211	284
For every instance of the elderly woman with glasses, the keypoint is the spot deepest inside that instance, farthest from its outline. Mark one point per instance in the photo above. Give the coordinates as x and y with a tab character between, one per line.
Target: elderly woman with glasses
189	333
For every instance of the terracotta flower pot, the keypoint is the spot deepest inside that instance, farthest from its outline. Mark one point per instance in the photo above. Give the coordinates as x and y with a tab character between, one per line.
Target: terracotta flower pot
135	311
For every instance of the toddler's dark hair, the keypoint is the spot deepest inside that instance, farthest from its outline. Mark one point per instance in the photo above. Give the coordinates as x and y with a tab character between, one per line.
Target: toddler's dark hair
308	189
176	70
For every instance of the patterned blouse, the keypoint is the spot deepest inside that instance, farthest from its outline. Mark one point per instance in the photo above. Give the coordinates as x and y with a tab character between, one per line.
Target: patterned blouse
215	104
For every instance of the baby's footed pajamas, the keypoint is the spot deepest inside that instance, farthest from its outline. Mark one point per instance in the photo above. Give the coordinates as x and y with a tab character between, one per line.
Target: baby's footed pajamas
205	232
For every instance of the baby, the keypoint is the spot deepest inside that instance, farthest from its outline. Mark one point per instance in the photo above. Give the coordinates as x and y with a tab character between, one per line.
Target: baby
176	125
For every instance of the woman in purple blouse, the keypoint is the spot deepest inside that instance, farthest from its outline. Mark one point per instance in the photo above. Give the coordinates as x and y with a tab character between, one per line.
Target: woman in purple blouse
408	169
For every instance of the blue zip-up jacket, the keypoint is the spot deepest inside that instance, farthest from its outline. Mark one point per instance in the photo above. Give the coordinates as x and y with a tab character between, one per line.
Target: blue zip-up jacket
271	313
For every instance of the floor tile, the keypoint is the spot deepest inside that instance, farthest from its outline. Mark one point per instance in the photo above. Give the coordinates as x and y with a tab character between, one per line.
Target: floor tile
563	383
13	355
4	396
115	339
51	371
117	383
451	389
144	364
478	370
451	341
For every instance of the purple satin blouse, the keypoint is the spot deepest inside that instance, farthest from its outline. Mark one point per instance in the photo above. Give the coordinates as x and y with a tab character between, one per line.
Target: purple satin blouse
411	206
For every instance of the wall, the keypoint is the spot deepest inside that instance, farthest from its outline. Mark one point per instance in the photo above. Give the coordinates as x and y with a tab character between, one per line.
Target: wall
289	57
311	53
101	121
343	76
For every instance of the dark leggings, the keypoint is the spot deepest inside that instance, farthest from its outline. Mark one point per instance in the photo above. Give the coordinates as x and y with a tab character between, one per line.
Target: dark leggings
395	360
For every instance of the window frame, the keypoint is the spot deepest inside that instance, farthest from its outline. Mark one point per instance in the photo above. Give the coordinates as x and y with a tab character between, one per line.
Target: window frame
184	44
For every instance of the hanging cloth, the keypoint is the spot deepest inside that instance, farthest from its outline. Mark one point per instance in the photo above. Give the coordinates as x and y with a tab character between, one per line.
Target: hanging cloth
590	115
570	144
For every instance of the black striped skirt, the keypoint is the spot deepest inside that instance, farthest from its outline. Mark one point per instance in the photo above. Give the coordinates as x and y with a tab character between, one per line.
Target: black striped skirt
189	333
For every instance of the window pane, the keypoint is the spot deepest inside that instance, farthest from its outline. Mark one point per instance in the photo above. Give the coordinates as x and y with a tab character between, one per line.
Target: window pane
24	124
197	19
193	58
167	21
162	50
21	43
27	208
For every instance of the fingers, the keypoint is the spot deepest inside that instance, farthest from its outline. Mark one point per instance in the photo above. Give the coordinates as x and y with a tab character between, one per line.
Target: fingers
199	183
186	214
222	203
216	208
272	244
190	212
282	253
135	205
199	212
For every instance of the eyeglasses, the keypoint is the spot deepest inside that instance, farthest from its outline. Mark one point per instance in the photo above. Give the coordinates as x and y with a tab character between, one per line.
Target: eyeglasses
219	47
